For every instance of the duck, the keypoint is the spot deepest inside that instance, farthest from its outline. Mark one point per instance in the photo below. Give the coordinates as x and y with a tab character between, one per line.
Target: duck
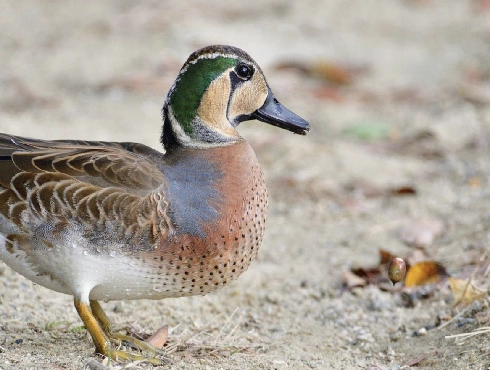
104	221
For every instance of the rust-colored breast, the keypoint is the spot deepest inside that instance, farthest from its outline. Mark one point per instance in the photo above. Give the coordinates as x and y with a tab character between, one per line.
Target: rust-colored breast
197	264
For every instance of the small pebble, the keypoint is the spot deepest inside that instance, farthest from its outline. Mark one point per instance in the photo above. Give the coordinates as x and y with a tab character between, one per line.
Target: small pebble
397	270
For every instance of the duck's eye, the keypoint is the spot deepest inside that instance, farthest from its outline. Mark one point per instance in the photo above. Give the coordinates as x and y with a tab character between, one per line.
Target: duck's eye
244	71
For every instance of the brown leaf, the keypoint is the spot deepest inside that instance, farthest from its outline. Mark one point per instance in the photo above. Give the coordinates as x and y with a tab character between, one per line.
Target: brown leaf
378	275
159	338
351	280
369	190
332	72
426	272
404	190
464	291
422	233
373	276
385	257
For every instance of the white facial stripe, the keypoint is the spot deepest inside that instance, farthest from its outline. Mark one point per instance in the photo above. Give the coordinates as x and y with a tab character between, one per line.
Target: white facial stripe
177	129
214	56
185	139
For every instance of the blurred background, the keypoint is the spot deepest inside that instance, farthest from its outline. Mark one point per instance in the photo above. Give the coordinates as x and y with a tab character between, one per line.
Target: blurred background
398	97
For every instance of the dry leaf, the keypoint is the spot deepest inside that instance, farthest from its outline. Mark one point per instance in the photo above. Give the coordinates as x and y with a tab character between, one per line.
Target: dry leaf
159	338
422	232
426	272
385	257
351	280
373	276
404	190
332	72
464	291
378	275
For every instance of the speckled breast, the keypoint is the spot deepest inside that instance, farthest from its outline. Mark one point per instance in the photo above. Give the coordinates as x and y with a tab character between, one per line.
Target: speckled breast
200	258
199	266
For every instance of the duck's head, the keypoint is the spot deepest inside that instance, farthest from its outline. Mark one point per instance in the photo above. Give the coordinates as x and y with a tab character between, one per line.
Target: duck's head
217	88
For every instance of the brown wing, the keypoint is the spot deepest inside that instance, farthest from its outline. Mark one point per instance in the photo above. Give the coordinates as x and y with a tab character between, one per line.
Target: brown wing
125	165
109	191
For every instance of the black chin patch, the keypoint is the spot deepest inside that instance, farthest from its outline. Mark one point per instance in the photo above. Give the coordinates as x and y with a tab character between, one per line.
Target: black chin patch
235	80
242	118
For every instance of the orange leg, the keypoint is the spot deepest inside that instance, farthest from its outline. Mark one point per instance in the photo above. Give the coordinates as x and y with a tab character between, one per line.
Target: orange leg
99	327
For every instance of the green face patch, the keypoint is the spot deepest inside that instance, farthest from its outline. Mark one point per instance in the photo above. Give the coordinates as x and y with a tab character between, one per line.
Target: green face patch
191	86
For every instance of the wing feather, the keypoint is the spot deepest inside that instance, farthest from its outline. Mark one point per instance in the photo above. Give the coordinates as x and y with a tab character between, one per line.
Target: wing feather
129	166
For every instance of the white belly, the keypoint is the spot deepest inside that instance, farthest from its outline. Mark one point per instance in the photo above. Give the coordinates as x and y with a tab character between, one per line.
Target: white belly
95	276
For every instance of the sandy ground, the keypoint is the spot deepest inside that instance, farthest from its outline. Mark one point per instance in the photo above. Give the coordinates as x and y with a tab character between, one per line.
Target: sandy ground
100	71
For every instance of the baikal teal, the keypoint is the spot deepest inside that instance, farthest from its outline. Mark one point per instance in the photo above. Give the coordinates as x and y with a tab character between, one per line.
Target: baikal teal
111	221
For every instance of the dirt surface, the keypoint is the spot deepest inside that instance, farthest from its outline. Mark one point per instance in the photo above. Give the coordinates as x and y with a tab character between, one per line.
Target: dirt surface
414	74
